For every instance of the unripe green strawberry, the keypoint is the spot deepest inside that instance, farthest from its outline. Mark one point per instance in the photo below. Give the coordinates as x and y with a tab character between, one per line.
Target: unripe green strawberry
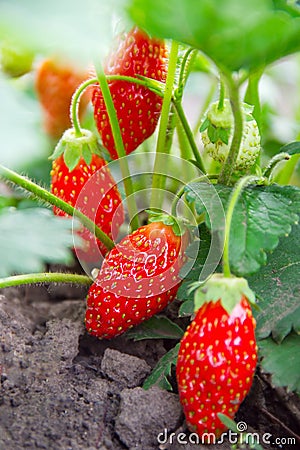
217	357
15	59
217	133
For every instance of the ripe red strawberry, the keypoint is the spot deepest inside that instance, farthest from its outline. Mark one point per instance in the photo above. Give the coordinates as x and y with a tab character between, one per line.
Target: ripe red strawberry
138	108
55	85
138	278
97	197
216	364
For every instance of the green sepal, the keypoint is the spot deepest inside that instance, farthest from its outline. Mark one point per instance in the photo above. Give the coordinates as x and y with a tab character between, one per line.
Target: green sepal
204	125
227	289
75	147
72	156
87	154
224	134
58	151
179	226
212	133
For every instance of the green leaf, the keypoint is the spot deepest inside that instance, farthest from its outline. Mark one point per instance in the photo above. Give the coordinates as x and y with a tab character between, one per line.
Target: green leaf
162	370
158	327
32	237
277	287
282	361
293	148
261	216
233	33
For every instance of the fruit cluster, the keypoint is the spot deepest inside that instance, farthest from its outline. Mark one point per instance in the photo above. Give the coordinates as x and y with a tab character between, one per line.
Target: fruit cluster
139	277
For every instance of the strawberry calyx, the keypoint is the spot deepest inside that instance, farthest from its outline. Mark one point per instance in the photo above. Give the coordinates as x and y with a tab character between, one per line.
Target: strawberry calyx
179	225
229	290
219	122
73	147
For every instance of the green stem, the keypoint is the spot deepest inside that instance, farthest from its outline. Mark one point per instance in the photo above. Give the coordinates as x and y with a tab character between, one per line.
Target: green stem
273	163
189	134
204	108
75	105
285	175
163	126
229	164
243	182
93	81
252	96
51	277
115	127
185	70
41	193
221	96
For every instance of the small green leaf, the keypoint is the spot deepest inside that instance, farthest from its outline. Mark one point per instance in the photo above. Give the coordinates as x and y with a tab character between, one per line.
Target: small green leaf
229	423
278	288
205	125
282	361
162	370
30	238
72	156
187	308
293	148
158	327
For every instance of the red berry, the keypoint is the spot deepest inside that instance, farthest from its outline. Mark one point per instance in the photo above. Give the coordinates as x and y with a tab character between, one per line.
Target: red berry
138	278
216	364
98	198
55	86
138	108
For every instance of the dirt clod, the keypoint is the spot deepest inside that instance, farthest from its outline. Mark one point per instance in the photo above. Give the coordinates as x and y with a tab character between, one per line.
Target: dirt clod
128	371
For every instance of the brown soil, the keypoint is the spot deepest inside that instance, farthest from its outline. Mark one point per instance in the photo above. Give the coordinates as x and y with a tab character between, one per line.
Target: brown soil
63	389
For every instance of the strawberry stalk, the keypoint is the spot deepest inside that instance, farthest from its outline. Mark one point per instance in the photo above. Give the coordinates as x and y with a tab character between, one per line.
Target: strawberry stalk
75	105
243	182
229	164
41	193
221	96
189	134
39	278
112	114
163	127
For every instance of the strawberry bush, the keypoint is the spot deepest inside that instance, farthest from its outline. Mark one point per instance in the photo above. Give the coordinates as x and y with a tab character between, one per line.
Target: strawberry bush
157	144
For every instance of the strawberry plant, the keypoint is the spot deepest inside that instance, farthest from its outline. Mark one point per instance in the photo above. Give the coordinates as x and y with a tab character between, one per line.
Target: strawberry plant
177	192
